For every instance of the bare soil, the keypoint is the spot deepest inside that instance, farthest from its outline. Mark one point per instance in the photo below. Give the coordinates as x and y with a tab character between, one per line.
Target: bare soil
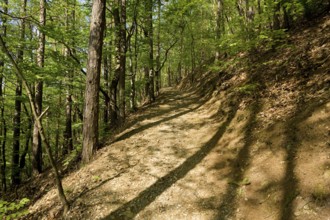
236	152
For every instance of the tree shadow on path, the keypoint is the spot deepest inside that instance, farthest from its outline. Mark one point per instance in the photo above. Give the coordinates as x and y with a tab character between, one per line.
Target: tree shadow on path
130	209
171	97
290	182
152	124
228	206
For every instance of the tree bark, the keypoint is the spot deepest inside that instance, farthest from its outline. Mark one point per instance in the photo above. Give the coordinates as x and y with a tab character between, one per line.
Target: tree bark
107	66
28	132
169	78
15	173
91	105
133	58
151	92
147	82
158	69
219	27
3	128
114	120
123	49
36	142
68	139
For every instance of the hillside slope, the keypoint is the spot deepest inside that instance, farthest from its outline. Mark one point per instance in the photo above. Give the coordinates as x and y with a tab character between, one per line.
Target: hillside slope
249	141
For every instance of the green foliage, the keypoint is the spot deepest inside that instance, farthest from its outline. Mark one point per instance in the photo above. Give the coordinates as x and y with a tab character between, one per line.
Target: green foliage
248	89
13	210
271	38
96	178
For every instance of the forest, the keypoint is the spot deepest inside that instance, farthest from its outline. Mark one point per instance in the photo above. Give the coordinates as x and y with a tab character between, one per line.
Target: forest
164	109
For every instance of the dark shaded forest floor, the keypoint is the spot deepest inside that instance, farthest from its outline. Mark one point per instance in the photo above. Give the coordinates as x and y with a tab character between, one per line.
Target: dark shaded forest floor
251	141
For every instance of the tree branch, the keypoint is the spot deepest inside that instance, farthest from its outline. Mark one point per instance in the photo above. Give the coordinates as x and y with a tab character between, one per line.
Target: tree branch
43	113
166	53
104	93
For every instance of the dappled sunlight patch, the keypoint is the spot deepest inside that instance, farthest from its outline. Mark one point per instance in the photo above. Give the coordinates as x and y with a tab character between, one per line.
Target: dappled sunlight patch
313	161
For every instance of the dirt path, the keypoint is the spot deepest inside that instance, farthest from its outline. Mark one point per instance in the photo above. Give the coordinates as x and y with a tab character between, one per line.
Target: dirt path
192	158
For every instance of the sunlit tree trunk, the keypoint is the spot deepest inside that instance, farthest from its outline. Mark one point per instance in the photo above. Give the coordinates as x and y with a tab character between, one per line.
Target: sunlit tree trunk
91	105
36	146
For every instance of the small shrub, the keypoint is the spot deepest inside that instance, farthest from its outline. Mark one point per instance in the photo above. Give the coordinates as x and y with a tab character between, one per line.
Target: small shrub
13	210
248	89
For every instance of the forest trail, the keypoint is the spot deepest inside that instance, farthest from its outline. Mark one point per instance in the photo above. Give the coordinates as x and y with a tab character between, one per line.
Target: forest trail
189	157
254	146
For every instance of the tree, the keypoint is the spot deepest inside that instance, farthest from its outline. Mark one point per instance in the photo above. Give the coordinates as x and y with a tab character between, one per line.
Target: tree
158	70
151	92
3	128
119	16
36	147
122	75
219	25
67	134
91	104
133	57
15	173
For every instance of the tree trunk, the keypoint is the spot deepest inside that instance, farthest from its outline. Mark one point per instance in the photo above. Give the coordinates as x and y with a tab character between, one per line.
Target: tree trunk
219	27
114	120
122	26
28	133
286	18
276	15
68	139
193	57
132	74
147	82
136	53
107	61
158	68
169	77
15	173
151	93
133	65
91	106
57	133
3	128
36	143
